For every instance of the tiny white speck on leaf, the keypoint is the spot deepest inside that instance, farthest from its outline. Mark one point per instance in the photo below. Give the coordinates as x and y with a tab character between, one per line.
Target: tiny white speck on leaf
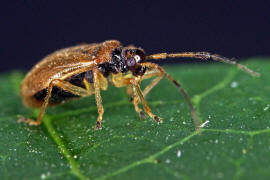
234	84
179	154
43	176
168	161
266	108
220	175
203	124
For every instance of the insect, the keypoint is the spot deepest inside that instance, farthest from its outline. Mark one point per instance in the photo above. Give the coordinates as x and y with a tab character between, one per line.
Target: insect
85	70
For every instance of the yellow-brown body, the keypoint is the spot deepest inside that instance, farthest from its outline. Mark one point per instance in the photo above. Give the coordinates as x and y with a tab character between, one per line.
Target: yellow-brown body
84	70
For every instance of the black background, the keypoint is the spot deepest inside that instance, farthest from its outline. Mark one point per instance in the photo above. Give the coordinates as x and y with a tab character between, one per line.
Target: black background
32	29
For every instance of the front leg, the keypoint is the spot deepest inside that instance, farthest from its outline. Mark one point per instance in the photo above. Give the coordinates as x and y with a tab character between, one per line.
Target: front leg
139	95
148	88
121	80
131	91
182	90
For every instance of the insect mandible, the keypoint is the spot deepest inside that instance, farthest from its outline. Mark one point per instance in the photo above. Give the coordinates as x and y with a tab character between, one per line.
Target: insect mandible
85	70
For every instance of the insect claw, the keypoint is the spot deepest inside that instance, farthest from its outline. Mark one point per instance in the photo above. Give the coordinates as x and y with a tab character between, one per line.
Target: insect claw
22	119
158	119
142	115
98	126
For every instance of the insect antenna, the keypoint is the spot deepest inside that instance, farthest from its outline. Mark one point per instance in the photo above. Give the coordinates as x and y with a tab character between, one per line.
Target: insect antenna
203	56
187	98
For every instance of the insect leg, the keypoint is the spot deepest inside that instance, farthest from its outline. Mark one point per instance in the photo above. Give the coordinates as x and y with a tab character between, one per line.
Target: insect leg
98	98
61	84
132	93
87	85
144	103
179	86
136	93
119	80
148	88
154	82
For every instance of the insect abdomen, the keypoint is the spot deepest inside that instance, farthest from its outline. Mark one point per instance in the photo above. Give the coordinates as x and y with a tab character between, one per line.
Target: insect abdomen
57	96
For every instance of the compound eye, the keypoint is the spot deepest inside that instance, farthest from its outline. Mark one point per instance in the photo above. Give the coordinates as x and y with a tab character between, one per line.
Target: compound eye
137	58
131	62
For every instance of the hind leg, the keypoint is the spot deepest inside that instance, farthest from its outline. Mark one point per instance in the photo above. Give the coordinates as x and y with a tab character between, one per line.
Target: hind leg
61	84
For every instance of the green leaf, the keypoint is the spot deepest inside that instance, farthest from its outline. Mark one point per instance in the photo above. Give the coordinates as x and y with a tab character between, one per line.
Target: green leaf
235	144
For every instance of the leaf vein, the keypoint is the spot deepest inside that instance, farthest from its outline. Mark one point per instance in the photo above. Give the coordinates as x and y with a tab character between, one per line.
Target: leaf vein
149	159
74	166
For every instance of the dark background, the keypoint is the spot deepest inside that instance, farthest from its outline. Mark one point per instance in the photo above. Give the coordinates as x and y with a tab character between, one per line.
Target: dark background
32	29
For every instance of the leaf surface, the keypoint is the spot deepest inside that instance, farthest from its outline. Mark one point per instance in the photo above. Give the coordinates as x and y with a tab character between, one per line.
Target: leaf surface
235	144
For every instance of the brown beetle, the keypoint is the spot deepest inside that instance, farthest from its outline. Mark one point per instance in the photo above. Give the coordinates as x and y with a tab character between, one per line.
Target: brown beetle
85	69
